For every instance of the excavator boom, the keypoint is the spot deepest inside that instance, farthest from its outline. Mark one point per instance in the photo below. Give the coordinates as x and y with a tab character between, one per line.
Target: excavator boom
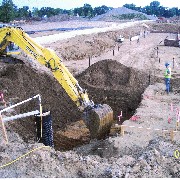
98	118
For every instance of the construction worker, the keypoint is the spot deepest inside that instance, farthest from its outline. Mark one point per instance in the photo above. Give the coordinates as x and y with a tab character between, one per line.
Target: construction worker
167	76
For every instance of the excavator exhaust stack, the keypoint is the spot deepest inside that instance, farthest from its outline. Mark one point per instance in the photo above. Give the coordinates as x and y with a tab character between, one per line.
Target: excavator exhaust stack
99	121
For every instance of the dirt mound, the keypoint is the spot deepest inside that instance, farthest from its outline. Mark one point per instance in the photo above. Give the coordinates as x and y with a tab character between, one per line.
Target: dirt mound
85	46
112	83
164	27
21	82
74	135
119	11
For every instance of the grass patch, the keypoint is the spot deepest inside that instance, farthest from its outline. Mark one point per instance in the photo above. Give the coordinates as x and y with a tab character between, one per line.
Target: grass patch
130	16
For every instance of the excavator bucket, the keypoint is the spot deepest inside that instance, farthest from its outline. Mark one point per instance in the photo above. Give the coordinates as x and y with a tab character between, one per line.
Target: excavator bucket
99	121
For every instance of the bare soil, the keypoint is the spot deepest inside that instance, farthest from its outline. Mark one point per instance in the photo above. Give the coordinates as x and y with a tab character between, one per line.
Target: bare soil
112	83
121	80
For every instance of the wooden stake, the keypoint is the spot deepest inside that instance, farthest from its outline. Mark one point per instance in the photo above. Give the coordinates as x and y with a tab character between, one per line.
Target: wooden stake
149	78
177	125
89	61
172	135
122	130
163	134
5	104
3	129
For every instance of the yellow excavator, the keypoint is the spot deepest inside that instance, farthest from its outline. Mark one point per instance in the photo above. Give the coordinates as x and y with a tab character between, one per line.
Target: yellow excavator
98	118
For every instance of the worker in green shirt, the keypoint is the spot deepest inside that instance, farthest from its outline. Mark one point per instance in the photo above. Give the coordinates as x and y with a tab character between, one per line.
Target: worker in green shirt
167	76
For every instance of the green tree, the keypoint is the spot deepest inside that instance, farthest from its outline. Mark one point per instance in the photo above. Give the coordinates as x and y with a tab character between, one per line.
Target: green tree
65	11
100	10
23	12
161	11
35	12
130	6
78	11
7	11
147	10
155	4
155	7
58	11
88	10
172	12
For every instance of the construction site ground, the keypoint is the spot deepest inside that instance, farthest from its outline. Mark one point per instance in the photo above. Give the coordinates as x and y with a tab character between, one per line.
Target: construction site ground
129	77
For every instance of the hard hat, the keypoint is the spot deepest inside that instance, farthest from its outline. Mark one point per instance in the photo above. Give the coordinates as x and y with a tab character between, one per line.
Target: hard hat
167	64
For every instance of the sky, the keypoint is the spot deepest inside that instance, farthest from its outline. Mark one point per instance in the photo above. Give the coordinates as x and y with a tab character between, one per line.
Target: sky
70	4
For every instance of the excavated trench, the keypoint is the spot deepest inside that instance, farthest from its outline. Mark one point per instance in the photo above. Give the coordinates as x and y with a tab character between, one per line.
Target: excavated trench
107	82
112	83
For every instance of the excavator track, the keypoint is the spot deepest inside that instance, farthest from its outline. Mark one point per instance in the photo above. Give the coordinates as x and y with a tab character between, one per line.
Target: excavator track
99	121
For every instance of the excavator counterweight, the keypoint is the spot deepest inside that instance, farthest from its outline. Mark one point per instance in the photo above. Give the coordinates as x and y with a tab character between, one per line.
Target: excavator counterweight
98	118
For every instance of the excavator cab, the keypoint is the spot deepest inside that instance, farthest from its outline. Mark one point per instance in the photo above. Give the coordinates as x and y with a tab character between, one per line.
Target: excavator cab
12	49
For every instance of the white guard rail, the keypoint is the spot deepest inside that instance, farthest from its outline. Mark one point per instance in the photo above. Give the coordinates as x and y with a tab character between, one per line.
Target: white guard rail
18	116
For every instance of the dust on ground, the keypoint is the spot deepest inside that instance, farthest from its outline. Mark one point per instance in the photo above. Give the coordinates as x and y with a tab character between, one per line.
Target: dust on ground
117	156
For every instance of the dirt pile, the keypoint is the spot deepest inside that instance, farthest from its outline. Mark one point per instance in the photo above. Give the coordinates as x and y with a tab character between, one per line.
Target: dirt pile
112	83
21	82
164	27
75	134
109	16
85	46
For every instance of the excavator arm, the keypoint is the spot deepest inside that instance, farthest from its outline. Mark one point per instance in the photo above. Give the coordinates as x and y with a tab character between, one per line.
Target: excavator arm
98	118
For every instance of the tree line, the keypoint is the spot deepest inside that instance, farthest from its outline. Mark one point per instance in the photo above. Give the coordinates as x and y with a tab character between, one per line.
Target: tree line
155	9
9	11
